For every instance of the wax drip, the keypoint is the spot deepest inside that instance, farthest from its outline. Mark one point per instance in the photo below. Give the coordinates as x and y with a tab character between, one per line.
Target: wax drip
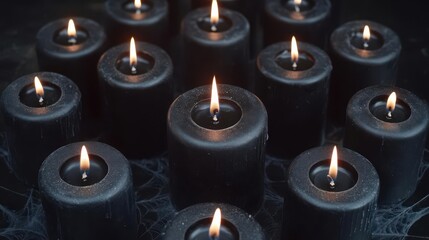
331	182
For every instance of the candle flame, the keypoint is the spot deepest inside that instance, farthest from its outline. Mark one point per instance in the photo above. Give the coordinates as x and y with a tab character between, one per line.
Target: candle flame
215	226
366	33
391	102
214	16
214	103
137	4
71	29
297	2
294	50
333	168
38	86
133	53
84	159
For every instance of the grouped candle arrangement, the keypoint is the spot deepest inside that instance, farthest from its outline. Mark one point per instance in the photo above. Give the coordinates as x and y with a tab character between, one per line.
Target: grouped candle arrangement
216	131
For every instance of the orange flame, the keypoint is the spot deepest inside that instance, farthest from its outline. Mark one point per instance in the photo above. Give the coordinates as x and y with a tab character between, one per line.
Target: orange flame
39	88
333	168
214	230
84	159
294	50
137	3
391	102
133	53
366	33
214	103
297	2
214	16
71	29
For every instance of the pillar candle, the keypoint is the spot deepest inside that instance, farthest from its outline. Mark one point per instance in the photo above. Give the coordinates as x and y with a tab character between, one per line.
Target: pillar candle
394	144
39	121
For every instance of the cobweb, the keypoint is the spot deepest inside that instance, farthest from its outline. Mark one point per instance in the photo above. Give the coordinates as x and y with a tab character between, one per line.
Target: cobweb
151	188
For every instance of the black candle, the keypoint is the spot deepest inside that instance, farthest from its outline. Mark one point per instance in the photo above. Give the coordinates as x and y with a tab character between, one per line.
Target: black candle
147	20
360	61
391	136
88	196
215	43
138	92
217	154
198	222
308	20
321	203
294	87
39	121
73	50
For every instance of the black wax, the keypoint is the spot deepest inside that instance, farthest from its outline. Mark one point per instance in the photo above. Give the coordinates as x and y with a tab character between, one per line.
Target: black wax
378	108
345	179
105	209
394	148
62	38
222	53
224	165
229	114
296	100
281	22
137	104
34	130
150	25
310	212
71	173
193	223
373	43
356	68
76	61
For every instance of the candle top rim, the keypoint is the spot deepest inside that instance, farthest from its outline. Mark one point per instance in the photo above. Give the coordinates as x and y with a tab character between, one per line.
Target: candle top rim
162	69
419	115
96	38
320	70
68	101
114	8
192	30
299	181
320	10
116	179
340	42
247	226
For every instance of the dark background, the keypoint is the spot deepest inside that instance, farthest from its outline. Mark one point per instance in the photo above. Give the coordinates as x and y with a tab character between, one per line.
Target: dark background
21	216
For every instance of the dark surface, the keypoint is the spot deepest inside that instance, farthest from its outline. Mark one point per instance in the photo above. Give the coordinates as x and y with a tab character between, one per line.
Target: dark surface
21	213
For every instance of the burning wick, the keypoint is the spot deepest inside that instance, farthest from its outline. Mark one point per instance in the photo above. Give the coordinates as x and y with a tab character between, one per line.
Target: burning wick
39	90
390	105
214	103
84	163
366	36
297	4
71	33
133	57
214	230
214	16
333	168
294	53
138	6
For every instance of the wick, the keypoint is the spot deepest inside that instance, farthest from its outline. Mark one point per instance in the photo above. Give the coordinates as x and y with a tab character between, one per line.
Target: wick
297	9
133	69
331	182
389	115
365	44
84	176
138	11
41	100
215	118
214	28
294	65
72	40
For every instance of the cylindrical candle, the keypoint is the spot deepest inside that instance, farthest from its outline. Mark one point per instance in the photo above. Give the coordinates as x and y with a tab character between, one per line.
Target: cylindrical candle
314	209
221	48
295	97
193	223
94	203
223	160
137	101
74	54
360	60
308	20
395	144
147	20
37	124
